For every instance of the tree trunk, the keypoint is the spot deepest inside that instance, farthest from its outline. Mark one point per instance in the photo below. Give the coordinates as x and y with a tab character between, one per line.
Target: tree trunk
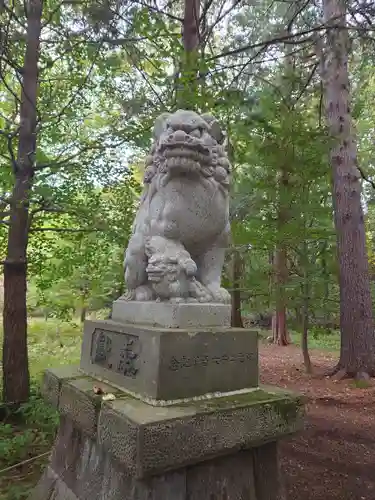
188	84
279	324
326	286
305	331
15	360
236	292
306	304
357	354
82	316
298	317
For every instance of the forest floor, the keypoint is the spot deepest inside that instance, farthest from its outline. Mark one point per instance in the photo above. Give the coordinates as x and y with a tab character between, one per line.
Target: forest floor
334	458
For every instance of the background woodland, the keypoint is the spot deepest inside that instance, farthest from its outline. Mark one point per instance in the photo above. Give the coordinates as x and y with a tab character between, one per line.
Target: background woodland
293	83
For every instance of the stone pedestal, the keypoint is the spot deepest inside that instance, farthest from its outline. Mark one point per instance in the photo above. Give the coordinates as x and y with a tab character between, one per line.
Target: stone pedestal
221	448
157	412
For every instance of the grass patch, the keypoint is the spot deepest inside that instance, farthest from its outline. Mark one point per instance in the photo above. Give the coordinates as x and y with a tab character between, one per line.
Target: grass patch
29	433
361	384
318	338
52	343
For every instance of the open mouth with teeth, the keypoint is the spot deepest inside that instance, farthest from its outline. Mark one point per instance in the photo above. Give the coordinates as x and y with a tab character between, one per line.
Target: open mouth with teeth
184	152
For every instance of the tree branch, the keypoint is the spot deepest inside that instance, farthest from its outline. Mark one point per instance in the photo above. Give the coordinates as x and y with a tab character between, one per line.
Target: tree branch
65	229
10	136
285	38
162	12
366	177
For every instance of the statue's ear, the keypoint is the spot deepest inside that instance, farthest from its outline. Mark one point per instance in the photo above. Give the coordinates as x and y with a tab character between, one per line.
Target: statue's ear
160	124
214	127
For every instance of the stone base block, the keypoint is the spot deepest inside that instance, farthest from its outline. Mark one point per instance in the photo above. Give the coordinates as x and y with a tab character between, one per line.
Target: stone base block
82	470
150	440
172	315
224	448
165	364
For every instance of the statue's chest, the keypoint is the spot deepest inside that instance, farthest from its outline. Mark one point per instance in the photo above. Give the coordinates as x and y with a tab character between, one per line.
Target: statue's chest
191	210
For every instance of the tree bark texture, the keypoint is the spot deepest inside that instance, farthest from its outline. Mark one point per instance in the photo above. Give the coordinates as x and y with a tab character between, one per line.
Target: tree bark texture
15	358
306	306
325	275
279	323
188	85
357	355
237	271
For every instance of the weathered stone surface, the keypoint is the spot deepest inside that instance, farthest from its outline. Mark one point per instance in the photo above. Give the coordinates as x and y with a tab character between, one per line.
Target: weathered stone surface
169	364
91	473
229	478
130	358
52	380
266	472
78	460
148	440
51	487
182	227
79	401
45	487
81	469
172	437
120	436
172	315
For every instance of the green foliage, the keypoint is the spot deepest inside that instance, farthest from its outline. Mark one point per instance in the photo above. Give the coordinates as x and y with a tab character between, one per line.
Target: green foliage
29	432
274	136
26	437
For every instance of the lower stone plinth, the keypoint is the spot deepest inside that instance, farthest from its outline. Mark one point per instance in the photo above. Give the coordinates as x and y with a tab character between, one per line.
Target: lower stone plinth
123	448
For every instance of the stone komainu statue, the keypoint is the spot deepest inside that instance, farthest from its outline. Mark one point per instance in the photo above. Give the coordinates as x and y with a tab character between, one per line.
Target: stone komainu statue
181	230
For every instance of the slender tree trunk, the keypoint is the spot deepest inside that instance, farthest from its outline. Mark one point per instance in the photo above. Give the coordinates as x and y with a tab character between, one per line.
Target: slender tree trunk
357	354
279	323
188	84
83	313
270	277
305	311
237	271
298	316
326	286
305	330
15	360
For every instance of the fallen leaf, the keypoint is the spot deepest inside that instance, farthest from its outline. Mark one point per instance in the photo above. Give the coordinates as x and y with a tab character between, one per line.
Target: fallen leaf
108	397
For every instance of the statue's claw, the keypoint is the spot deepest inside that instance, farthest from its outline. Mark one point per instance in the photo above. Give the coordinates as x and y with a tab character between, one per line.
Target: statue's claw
219	294
199	292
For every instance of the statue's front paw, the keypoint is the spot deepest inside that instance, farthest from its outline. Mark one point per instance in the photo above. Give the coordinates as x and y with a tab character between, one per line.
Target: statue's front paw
219	294
199	292
143	293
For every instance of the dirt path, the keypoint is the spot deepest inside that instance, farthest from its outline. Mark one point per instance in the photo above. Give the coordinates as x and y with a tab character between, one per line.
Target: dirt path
334	458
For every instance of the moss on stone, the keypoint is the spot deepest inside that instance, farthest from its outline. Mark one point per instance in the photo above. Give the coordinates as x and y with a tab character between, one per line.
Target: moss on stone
288	409
285	404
